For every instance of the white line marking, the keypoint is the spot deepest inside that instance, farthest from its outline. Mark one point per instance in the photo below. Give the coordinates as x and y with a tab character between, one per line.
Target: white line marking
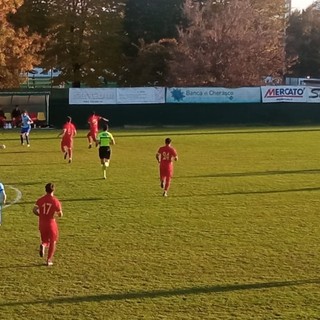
16	199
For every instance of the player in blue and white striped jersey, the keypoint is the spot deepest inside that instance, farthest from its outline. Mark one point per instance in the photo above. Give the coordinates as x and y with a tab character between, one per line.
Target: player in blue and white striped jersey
3	198
26	122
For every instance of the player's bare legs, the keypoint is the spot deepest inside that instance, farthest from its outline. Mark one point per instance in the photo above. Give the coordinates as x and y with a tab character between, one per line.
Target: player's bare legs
167	182
64	149
70	154
94	138
162	181
104	166
24	136
44	244
90	140
42	249
52	249
27	139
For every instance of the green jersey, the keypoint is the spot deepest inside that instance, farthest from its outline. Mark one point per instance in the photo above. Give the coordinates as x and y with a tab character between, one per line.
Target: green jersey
104	138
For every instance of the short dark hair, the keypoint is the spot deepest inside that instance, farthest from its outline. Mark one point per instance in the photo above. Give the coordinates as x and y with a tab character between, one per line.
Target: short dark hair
49	187
105	127
69	119
167	141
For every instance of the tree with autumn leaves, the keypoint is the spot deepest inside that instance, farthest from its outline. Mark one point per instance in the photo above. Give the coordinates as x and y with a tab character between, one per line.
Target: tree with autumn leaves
19	51
218	43
168	42
235	44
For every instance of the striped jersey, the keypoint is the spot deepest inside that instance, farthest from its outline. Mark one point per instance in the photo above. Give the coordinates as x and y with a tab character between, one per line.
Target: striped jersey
25	121
1	192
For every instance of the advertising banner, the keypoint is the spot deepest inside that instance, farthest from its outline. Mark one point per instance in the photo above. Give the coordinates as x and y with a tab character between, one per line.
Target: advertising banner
92	96
284	94
141	95
213	95
313	94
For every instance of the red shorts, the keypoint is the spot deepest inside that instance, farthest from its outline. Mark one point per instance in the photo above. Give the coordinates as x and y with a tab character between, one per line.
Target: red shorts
66	143
49	232
93	134
166	172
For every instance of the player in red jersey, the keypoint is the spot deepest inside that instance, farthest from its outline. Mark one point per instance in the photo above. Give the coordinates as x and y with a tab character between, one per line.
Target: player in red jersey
68	133
165	156
47	208
94	127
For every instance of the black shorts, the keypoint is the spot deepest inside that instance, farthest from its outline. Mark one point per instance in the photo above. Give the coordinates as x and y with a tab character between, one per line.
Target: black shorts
104	152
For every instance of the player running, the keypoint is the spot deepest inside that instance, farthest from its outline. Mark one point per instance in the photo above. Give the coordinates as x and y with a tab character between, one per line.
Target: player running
26	122
69	131
47	208
165	156
93	121
104	140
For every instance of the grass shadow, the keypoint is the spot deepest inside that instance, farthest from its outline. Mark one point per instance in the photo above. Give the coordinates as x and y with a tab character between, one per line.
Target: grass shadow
223	131
235	193
24	266
66	200
30	183
251	174
165	293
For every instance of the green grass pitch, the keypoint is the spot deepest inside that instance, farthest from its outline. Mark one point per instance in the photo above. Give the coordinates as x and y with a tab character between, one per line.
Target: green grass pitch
237	238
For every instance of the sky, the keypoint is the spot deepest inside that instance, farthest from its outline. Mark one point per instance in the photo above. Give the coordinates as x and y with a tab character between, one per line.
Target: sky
301	4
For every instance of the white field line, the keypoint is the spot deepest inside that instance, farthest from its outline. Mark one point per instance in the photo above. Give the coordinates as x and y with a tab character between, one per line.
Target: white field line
16	199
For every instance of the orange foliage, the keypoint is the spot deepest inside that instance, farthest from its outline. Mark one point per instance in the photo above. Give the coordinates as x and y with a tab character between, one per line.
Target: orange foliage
18	50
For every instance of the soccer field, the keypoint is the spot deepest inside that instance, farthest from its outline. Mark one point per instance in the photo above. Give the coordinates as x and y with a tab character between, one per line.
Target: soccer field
238	237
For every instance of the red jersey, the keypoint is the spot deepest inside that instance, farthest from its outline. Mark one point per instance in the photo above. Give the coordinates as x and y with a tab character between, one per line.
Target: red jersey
94	122
167	154
48	205
70	131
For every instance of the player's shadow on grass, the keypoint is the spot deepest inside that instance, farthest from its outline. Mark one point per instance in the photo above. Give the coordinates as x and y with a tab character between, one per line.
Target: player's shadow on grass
29	164
67	200
165	293
268	191
29	183
35	265
252	174
235	193
175	131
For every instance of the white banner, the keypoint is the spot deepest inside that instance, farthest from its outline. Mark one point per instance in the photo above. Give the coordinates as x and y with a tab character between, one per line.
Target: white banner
141	95
313	94
284	94
213	95
92	96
